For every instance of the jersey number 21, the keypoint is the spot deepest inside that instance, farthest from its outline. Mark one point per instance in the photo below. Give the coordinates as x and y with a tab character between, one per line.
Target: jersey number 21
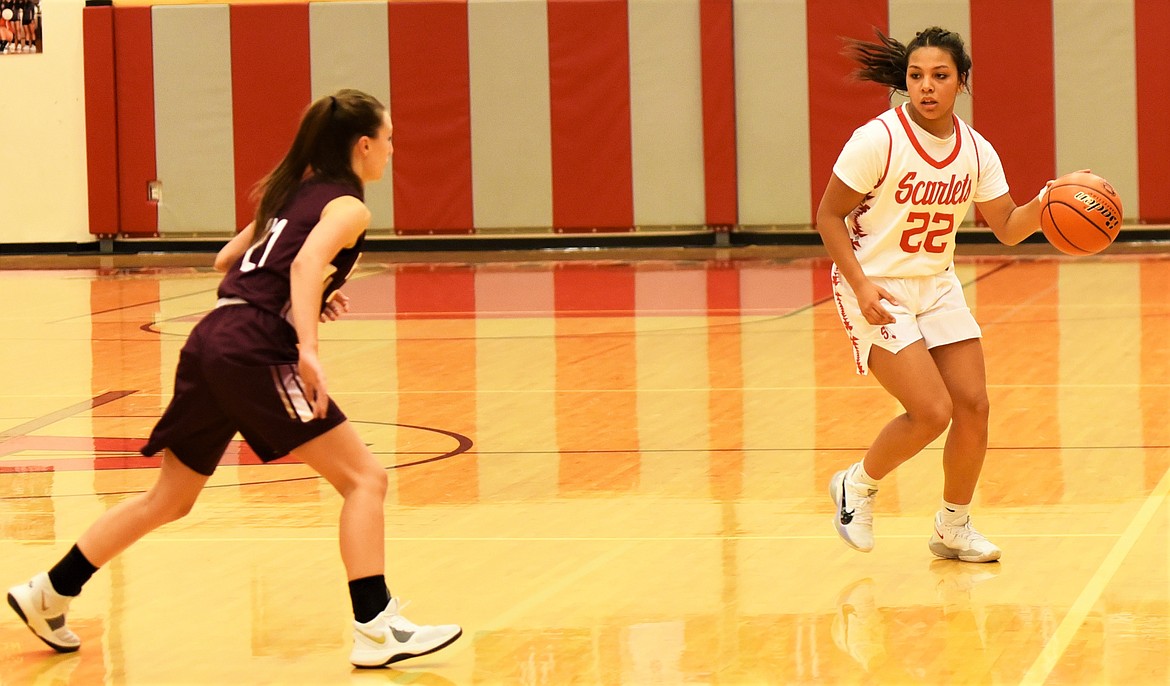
247	264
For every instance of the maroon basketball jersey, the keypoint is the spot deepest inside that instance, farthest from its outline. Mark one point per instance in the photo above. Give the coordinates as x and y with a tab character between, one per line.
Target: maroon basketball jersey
261	275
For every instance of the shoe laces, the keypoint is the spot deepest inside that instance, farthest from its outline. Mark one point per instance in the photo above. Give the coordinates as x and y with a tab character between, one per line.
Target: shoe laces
396	620
860	501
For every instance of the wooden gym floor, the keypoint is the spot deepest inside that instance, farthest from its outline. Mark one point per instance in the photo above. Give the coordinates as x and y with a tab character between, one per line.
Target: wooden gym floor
610	468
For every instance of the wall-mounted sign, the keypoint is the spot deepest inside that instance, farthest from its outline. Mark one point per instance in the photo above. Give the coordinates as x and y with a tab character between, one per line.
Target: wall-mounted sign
20	27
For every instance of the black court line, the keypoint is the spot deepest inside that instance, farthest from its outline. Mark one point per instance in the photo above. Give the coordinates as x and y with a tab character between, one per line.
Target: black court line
150	327
131	306
463	445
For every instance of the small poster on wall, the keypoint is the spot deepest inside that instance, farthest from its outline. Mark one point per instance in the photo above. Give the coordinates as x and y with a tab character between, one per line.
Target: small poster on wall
20	27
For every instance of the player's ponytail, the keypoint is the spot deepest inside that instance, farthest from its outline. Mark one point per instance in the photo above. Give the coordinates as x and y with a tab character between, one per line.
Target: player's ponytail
885	61
322	147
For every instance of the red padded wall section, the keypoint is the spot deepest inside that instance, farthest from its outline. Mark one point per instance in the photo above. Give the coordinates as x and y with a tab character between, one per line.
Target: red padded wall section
271	88
137	167
716	31
837	102
1151	17
430	95
589	91
101	138
1011	45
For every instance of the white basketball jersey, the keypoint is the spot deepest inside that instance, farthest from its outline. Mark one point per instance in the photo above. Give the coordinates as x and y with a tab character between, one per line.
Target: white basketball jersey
918	188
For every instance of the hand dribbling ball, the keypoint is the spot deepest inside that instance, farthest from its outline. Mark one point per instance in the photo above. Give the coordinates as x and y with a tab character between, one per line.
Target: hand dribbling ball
1081	214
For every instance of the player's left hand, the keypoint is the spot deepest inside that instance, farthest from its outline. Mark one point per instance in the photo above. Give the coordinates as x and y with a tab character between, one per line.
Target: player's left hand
1048	186
313	378
337	305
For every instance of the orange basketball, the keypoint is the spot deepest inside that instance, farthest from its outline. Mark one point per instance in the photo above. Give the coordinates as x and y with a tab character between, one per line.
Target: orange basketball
1081	214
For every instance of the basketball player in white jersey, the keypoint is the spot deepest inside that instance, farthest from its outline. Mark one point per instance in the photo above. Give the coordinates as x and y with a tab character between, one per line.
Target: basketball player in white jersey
899	189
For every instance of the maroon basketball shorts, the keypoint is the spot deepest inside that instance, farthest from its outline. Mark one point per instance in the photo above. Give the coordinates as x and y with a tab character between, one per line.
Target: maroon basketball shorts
238	373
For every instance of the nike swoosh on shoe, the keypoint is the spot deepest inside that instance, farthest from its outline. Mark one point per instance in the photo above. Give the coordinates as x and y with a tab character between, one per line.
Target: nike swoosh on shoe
379	638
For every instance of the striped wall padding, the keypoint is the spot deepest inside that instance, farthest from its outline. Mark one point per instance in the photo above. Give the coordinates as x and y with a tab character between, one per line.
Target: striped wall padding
582	116
101	120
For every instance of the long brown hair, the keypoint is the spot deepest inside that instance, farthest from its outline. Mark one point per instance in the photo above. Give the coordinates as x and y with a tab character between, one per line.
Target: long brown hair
323	144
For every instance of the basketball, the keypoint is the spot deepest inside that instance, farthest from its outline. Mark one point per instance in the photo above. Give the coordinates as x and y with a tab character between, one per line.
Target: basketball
1081	214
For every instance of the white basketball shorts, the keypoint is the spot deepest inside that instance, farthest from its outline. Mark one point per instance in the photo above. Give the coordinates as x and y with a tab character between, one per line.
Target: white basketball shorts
930	308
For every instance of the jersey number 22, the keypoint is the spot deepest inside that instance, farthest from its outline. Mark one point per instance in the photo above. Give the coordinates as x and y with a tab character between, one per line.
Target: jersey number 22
935	239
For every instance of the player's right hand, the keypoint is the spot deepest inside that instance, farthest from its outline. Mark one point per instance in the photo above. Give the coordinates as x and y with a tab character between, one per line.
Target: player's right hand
869	299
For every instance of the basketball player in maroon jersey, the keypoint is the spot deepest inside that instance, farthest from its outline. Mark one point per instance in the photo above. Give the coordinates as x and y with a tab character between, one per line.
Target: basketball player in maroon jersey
251	366
899	189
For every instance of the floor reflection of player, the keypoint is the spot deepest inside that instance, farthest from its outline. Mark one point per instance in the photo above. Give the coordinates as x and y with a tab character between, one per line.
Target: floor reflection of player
858	629
937	643
964	619
956	581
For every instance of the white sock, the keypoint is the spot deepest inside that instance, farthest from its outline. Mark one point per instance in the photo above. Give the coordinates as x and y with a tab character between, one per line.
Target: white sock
954	514
858	474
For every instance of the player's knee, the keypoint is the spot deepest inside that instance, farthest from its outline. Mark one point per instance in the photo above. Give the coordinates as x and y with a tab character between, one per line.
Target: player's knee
977	407
374	481
933	417
180	509
164	510
370	480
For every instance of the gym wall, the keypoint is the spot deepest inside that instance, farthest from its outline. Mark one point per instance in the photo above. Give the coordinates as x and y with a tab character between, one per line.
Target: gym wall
547	117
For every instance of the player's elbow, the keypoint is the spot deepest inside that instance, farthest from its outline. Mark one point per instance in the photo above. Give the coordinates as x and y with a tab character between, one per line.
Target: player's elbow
222	262
1007	238
306	265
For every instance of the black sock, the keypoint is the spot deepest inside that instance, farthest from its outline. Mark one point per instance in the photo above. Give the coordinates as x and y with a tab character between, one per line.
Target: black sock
71	573
369	596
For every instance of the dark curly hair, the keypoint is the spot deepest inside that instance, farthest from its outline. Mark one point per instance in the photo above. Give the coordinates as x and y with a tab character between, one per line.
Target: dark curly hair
885	61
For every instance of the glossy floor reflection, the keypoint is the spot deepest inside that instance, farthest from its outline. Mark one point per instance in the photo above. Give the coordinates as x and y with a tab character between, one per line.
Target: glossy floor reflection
609	471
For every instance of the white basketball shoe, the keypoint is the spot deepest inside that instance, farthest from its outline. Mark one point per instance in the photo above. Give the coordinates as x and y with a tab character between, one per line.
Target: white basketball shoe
390	637
43	610
961	542
854	516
